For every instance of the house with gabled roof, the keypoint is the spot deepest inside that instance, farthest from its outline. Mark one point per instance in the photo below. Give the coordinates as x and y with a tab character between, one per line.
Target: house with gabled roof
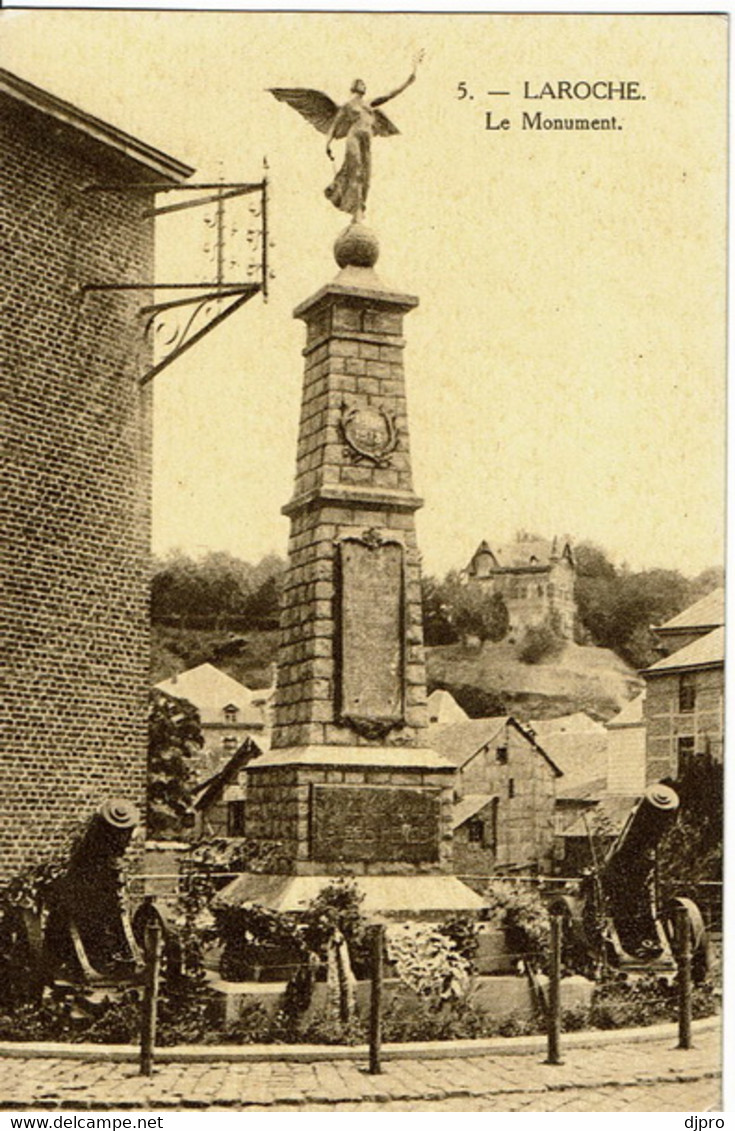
443	710
535	578
577	744
685	706
229	711
699	619
219	801
504	797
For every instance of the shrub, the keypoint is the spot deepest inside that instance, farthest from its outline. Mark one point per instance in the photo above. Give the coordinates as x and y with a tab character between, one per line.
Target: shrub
337	907
428	961
522	914
462	931
117	1022
256	936
539	643
253	1027
620	1002
50	1020
421	1021
515	1026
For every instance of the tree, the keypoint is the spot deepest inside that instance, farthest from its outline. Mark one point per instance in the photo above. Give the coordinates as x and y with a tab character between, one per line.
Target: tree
438	627
471	611
262	609
618	606
174	738
216	591
692	849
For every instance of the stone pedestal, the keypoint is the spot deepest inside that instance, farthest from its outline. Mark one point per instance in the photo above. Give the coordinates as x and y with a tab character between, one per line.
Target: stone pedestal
348	788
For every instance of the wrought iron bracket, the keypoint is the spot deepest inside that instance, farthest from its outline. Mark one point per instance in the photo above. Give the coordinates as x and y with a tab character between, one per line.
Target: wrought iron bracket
176	324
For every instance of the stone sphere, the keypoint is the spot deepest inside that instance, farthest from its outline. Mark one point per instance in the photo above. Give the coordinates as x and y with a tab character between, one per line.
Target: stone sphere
356	246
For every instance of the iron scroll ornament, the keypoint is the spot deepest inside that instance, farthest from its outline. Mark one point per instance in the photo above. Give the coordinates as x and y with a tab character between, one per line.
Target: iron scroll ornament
369	433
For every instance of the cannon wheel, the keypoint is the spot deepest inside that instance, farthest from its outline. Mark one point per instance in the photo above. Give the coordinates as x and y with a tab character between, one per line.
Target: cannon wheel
149	912
698	933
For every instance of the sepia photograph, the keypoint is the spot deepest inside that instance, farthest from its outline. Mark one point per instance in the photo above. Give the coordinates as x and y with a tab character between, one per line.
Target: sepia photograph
364	381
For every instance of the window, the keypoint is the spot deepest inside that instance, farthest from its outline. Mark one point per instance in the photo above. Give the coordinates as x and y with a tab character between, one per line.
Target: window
511	787
501	755
476	831
684	751
229	744
687	691
236	818
230	713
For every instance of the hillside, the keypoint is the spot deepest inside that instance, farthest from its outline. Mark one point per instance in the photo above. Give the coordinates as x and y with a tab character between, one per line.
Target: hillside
245	656
578	679
487	680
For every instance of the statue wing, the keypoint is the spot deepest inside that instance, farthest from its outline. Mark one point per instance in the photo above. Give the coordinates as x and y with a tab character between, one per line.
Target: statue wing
383	125
317	108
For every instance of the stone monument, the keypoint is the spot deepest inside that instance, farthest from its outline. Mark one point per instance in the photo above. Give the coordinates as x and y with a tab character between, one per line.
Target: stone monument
348	788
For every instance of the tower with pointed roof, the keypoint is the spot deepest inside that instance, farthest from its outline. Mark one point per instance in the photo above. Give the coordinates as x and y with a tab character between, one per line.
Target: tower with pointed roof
535	578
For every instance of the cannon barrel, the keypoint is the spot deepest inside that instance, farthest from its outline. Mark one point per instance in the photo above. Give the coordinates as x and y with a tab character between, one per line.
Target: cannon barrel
87	932
631	854
627	872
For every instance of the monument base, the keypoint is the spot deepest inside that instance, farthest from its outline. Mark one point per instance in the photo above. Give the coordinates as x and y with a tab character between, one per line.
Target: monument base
417	896
352	810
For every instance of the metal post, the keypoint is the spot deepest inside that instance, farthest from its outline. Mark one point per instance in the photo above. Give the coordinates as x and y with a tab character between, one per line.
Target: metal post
153	947
553	1019
376	995
684	963
264	238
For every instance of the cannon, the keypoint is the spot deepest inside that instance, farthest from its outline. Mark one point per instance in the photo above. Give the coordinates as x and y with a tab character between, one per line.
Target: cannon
613	918
78	931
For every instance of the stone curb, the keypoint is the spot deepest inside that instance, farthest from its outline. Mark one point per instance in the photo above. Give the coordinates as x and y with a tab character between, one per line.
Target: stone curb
413	1050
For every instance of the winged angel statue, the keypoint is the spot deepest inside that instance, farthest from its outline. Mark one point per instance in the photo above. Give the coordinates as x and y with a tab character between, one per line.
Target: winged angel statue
358	121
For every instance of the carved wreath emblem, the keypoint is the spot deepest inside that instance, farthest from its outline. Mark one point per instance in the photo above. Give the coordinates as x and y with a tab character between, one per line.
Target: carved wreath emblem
370	434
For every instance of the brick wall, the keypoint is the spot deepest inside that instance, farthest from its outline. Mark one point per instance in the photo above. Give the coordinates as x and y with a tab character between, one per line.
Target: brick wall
76	482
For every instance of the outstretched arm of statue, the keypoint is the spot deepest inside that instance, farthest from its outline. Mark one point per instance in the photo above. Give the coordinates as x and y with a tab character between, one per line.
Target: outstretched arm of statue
399	89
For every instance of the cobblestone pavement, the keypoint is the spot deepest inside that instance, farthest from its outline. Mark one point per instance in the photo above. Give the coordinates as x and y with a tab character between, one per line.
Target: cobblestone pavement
697	1096
650	1076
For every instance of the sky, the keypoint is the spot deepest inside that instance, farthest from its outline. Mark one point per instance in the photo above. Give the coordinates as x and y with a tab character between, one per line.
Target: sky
566	365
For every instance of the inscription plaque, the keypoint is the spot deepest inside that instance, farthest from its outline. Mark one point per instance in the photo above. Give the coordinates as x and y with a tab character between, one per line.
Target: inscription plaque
375	823
371	622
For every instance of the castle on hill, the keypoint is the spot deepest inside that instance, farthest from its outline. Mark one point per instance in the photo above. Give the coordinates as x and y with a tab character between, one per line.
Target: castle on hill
535	578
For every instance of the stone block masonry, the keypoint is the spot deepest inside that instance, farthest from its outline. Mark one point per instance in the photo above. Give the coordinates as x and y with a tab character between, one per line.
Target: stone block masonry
353	486
283	810
348	788
76	490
